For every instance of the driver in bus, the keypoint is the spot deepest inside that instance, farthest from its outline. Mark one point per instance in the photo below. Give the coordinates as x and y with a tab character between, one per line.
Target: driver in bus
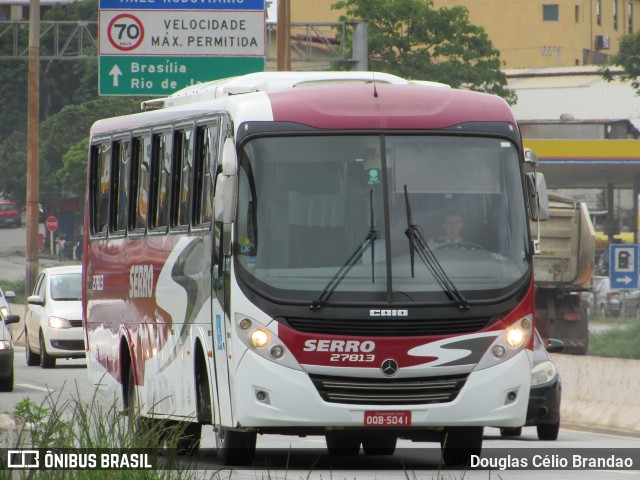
452	227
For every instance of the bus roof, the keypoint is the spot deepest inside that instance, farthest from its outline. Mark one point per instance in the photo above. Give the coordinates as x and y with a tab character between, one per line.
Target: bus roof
329	100
269	81
387	106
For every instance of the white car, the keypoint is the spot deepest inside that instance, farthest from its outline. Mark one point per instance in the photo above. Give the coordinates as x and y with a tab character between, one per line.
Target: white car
53	323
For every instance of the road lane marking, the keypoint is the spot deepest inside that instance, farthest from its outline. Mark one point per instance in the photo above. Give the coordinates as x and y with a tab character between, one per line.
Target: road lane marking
34	387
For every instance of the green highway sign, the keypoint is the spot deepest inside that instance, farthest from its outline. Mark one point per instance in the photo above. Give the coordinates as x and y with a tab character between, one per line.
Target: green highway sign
162	76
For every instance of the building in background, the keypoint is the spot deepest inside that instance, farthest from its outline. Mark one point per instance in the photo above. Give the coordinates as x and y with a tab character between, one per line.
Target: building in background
553	33
585	132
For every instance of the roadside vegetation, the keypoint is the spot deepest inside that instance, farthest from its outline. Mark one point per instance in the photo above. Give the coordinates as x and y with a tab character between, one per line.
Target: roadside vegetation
83	429
619	341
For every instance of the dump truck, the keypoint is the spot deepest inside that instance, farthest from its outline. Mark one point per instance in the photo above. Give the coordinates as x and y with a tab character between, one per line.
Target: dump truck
564	269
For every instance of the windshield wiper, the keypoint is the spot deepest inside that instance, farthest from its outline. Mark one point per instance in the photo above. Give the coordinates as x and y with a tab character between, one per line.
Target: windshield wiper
367	242
417	243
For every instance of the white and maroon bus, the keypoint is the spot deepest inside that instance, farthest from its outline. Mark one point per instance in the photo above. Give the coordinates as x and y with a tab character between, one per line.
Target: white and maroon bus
270	254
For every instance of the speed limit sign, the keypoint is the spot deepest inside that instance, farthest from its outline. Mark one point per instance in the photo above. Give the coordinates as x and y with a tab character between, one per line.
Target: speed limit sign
125	32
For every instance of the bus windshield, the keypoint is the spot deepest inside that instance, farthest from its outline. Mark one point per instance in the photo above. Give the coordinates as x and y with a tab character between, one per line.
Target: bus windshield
312	205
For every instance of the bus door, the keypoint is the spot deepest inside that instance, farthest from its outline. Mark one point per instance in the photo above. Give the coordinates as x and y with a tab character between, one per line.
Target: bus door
221	324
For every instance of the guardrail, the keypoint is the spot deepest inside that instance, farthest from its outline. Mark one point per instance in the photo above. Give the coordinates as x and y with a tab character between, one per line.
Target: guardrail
314	42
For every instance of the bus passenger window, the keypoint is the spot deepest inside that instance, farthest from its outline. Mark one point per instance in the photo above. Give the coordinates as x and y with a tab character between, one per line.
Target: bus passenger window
204	163
99	183
181	181
139	184
160	180
120	190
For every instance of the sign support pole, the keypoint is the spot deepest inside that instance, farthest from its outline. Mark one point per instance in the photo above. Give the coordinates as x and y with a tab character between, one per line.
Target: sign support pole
33	149
283	38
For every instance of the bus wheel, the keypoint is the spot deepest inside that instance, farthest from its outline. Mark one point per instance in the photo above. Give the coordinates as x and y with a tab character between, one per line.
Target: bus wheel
548	431
189	440
235	448
379	444
343	443
458	444
511	431
204	410
130	399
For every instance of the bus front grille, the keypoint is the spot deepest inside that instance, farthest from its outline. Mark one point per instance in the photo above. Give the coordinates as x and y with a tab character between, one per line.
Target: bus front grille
402	391
388	327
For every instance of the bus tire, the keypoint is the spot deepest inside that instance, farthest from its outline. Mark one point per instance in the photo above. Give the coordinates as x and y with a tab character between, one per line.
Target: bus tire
203	393
379	444
189	440
129	396
511	431
340	443
458	444
548	431
234	447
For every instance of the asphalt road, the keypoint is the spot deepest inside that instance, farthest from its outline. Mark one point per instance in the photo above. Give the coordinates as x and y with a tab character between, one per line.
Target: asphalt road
13	243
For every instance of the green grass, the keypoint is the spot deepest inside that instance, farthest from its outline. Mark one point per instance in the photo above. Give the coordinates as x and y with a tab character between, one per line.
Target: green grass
614	320
72	424
616	342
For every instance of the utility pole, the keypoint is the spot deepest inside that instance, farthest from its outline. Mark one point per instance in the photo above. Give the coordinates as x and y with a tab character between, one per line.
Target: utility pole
33	147
283	37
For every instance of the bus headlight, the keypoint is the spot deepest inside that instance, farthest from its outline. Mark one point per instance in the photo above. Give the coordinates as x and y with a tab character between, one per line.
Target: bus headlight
262	341
508	344
260	338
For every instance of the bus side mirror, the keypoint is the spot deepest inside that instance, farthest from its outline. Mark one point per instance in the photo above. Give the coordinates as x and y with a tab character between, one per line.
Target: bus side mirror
537	196
226	185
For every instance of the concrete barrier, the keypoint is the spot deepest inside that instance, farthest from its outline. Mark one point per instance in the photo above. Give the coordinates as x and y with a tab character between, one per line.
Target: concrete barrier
601	393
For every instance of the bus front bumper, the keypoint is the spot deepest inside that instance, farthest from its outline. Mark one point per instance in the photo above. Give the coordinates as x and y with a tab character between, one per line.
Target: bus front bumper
269	395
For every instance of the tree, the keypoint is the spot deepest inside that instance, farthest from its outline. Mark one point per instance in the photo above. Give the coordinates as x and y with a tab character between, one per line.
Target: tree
628	57
69	104
59	133
65	140
411	39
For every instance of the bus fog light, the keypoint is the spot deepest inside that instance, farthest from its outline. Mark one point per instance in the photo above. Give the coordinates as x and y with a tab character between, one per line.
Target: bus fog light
277	351
245	324
260	338
499	351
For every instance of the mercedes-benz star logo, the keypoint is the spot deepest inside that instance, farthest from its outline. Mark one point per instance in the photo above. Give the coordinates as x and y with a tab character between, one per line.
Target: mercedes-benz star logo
389	367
